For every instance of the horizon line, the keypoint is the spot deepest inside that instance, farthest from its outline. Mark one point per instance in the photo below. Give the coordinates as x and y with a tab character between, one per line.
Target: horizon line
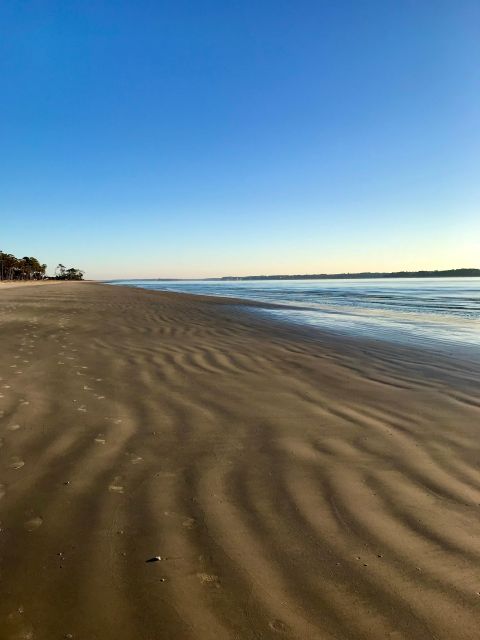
429	273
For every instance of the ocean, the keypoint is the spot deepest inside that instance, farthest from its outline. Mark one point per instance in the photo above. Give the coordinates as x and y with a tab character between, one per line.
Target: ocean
433	311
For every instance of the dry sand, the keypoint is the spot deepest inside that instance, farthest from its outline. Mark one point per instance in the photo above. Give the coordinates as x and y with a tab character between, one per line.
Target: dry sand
5	285
293	487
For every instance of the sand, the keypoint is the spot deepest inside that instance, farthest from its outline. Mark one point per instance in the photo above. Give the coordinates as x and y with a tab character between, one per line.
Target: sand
291	483
5	285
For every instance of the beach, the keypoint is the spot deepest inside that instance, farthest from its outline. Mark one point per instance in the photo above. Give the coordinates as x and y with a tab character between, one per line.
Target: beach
180	467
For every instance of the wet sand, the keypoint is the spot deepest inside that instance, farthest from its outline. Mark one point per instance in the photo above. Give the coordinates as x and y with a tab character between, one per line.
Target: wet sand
293	485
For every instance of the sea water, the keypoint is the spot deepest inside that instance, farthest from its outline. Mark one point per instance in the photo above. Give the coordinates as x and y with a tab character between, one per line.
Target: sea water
435	310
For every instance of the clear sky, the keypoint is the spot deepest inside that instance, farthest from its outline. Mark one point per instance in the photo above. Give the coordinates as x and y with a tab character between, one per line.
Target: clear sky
227	137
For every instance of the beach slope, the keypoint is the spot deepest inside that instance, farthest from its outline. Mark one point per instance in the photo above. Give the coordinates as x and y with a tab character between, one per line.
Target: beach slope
283	484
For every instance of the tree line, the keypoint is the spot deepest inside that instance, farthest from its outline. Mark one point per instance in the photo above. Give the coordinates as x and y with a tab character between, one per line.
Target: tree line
370	275
62	273
26	268
30	268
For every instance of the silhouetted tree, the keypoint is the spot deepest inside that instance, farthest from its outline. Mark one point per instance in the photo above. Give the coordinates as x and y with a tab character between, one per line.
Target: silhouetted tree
60	271
29	268
26	268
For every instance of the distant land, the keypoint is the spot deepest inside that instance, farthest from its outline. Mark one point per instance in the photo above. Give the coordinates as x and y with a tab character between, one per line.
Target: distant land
446	273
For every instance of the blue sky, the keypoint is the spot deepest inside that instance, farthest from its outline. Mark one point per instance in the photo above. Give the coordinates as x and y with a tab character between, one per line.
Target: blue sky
180	138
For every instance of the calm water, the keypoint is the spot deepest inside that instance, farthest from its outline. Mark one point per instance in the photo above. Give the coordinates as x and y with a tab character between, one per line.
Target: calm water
434	310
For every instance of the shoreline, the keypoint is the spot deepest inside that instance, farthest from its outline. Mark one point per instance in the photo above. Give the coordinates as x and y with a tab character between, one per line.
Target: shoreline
325	334
307	487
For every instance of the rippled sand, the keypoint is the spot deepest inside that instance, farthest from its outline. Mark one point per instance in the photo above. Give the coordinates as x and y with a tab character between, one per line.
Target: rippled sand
281	485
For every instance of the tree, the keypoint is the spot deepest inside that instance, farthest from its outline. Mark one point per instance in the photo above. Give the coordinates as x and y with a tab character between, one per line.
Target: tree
60	271
26	268
74	274
29	268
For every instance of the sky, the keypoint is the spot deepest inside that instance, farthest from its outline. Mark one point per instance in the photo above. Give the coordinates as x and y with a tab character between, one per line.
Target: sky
189	139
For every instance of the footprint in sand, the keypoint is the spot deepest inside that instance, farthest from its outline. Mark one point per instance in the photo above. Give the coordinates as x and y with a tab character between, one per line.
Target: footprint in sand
209	579
189	523
16	463
33	523
278	626
116	487
17	627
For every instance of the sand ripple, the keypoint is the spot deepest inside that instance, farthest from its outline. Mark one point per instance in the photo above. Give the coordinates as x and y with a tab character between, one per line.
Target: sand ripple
289	486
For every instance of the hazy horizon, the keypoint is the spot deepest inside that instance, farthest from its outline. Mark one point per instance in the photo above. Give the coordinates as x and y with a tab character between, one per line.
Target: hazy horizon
185	140
288	275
